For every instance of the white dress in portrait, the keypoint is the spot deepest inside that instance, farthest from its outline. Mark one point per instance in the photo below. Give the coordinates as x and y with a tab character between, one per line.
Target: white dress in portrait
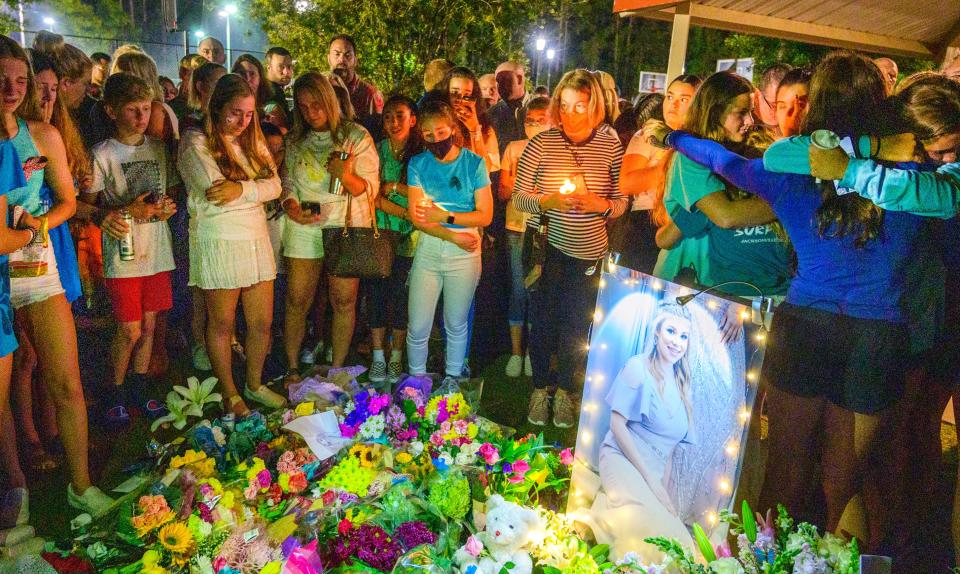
628	511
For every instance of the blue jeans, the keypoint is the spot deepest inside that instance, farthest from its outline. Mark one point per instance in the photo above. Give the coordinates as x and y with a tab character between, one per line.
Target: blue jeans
440	266
518	293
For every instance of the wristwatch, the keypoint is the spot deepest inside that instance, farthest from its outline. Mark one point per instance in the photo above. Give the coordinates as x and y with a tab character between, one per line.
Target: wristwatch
450	219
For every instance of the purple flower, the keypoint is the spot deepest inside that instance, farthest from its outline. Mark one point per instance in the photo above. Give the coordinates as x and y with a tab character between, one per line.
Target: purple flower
413	534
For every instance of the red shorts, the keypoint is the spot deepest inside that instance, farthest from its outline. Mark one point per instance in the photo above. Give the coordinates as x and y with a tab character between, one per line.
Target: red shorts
134	296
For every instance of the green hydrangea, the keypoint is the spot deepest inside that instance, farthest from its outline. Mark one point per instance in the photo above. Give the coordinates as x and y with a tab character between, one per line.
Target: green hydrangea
450	493
582	564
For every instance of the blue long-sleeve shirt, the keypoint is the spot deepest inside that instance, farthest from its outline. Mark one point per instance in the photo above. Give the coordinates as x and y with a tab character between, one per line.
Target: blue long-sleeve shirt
832	273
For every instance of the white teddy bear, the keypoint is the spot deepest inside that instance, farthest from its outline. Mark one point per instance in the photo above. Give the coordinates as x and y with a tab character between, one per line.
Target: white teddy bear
506	535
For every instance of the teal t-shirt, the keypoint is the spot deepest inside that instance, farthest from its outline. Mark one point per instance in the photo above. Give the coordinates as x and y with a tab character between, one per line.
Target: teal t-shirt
452	186
687	183
756	255
390	171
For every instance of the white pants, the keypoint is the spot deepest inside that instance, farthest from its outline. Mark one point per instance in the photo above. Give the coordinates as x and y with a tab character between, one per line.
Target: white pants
440	266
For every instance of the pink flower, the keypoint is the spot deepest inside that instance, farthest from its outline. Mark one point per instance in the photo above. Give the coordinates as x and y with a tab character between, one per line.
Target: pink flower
218	563
378	403
473	546
263	477
521	467
516	479
251	491
348	431
287	462
445	427
461	426
489	453
436	439
566	456
723	551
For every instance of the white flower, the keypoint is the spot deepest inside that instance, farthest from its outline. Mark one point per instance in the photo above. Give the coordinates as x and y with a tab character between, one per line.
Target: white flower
416	448
199	394
178	411
372	428
446	458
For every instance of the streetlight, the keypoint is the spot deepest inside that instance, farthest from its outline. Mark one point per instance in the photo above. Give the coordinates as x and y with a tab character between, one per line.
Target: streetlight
199	35
228	10
550	55
48	21
541	44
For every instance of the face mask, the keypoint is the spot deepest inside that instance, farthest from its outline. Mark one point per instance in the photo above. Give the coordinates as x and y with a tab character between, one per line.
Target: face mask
439	149
574	123
532	131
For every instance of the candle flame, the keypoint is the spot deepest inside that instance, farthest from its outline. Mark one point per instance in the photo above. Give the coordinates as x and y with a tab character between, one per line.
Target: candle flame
567	187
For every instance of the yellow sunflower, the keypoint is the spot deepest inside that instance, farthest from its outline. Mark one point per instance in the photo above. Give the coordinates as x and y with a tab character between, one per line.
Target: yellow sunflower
363	453
176	538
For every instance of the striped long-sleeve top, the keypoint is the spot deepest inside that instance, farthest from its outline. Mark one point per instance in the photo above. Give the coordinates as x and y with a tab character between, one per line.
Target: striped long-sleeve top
547	162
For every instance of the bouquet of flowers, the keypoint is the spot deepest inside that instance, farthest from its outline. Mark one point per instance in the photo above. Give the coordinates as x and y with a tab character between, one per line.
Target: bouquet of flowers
764	546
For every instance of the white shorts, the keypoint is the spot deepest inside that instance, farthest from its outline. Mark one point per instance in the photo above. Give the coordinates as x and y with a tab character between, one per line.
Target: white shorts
302	241
230	264
29	290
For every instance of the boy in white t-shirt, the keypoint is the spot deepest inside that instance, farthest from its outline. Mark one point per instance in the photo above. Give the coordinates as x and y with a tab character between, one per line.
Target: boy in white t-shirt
132	173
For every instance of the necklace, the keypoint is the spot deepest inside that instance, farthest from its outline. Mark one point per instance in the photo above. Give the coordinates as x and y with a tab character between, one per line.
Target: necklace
397	153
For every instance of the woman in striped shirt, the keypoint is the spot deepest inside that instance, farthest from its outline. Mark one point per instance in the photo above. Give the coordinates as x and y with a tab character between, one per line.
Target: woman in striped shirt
570	175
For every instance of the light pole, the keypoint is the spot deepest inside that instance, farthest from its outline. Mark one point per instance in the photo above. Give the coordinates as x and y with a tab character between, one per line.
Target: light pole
541	44
550	55
228	10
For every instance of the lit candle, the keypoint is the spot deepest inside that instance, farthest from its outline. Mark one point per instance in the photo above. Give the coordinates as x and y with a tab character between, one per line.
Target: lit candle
567	188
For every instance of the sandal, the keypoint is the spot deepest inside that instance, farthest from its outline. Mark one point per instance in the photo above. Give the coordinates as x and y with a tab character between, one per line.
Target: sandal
38	459
231	404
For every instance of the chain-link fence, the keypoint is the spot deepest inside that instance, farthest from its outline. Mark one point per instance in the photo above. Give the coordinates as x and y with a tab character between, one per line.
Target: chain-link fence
167	53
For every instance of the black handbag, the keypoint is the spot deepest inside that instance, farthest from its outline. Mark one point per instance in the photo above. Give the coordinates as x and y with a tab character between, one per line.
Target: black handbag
364	252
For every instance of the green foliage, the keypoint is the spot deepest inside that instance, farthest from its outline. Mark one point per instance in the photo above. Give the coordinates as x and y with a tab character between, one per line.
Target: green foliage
98	18
396	38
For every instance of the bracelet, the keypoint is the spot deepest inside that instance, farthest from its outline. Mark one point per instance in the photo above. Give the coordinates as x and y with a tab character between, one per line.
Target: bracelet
33	234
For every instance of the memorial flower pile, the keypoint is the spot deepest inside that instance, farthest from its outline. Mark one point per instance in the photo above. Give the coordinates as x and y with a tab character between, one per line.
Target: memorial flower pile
406	488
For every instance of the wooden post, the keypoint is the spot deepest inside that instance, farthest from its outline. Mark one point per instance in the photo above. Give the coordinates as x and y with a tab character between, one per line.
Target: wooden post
678	41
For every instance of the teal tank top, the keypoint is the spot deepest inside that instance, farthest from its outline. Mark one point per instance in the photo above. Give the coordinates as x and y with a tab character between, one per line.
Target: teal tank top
29	195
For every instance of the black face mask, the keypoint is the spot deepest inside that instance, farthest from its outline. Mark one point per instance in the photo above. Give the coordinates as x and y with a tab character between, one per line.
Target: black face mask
439	149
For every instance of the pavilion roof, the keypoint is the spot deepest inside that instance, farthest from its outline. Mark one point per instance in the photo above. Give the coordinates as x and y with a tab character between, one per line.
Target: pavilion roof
917	28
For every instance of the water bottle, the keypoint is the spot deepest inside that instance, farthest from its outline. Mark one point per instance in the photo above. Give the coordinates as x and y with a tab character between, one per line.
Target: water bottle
126	242
336	185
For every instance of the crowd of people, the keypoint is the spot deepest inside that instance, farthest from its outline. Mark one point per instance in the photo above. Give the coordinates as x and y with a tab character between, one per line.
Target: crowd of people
218	210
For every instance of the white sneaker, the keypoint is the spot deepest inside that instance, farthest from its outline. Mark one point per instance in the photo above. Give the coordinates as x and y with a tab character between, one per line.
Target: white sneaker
201	361
93	501
514	366
394	370
378	371
306	357
527	366
265	396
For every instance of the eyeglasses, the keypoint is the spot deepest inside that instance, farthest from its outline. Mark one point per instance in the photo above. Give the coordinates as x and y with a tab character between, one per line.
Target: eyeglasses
579	107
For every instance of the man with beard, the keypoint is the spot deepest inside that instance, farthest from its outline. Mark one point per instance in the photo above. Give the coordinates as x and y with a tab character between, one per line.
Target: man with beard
366	99
279	64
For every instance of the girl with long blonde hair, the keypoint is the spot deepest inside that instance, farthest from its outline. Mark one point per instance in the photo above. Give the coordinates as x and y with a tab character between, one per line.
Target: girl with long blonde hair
40	299
319	131
229	175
